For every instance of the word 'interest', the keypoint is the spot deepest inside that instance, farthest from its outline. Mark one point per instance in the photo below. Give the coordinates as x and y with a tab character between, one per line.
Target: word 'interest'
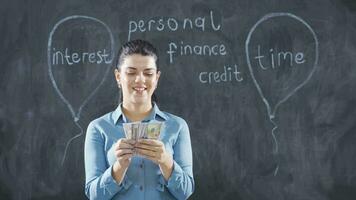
60	57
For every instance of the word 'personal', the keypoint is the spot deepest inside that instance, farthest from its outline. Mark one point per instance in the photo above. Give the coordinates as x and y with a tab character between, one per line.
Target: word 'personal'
172	24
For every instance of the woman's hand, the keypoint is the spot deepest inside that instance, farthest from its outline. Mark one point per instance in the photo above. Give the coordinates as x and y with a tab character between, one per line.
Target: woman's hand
155	151
124	152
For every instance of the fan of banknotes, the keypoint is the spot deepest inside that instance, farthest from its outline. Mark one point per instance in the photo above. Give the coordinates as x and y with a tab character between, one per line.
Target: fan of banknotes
142	130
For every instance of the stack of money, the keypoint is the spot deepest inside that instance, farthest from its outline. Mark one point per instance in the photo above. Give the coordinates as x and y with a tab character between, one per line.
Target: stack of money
142	130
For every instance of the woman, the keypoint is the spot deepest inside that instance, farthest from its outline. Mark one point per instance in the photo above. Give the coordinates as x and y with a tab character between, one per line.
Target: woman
119	168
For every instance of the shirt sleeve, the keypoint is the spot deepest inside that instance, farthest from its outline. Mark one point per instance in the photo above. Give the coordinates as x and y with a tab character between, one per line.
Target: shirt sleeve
181	182
99	183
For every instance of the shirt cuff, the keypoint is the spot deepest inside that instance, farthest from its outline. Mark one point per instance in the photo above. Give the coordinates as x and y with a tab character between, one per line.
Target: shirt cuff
110	183
174	179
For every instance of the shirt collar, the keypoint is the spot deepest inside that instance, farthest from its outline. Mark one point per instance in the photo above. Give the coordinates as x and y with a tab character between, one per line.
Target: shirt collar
156	112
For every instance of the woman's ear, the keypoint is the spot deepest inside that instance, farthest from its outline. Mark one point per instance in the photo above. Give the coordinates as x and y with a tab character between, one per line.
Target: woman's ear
157	77
118	77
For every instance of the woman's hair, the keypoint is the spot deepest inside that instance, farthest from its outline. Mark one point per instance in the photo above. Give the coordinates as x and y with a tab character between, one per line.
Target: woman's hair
141	47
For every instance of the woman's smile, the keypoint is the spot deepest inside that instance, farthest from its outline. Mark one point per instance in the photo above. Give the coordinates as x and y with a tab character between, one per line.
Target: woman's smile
139	89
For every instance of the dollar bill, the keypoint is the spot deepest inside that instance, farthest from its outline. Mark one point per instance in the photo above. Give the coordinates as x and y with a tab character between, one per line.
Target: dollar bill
138	130
136	127
128	130
154	130
143	133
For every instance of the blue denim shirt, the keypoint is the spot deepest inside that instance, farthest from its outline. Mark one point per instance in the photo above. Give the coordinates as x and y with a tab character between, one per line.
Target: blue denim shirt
143	178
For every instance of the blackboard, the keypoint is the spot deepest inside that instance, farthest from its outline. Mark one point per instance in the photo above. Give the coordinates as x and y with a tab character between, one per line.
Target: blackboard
268	89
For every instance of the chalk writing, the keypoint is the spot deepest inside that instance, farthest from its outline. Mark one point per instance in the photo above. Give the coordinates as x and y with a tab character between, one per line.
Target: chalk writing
69	58
75	58
183	49
172	24
229	74
299	58
279	56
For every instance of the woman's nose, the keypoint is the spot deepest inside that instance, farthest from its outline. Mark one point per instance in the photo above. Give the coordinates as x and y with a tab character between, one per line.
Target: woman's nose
140	78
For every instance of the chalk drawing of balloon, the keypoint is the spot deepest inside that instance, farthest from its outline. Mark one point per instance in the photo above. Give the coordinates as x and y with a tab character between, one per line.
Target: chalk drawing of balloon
80	52
282	55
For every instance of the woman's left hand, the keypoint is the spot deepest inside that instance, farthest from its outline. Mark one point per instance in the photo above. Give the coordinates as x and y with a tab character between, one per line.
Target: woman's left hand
154	150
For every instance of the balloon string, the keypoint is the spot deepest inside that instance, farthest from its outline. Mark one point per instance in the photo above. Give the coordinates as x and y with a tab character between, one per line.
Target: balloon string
76	136
275	151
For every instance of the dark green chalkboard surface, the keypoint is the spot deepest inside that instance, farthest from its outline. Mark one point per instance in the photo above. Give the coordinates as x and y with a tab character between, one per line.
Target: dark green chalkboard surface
268	89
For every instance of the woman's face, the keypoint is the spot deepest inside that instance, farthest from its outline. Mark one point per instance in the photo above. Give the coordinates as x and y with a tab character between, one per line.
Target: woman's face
138	78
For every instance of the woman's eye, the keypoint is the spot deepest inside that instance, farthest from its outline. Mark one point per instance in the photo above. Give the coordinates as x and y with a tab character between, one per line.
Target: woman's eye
130	73
149	74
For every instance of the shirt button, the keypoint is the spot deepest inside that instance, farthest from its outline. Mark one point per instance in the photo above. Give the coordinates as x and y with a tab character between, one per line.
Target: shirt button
141	166
141	188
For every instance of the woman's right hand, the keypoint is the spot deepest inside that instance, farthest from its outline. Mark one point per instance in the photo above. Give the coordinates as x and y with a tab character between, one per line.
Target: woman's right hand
124	151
